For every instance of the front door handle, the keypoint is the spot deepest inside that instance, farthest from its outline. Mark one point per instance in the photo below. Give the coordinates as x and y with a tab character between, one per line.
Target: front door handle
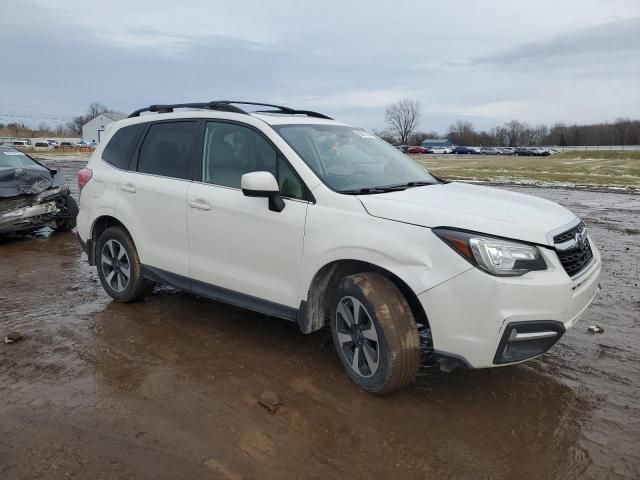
200	205
128	188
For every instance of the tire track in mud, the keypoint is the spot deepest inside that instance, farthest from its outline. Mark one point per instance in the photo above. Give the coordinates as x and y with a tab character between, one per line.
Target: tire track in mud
167	387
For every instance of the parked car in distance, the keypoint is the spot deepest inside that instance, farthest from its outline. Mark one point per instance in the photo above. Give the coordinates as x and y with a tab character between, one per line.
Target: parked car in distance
531	152
506	150
42	146
523	152
402	148
66	145
53	143
293	214
540	152
81	143
418	149
463	150
21	143
32	196
441	150
489	151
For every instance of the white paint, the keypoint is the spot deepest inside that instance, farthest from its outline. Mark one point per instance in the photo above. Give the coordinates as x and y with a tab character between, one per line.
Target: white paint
217	235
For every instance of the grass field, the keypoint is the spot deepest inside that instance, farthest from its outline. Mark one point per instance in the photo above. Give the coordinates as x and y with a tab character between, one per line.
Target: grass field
598	169
577	168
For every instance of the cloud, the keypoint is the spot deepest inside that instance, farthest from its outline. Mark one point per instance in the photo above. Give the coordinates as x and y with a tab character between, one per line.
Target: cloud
617	37
372	98
490	61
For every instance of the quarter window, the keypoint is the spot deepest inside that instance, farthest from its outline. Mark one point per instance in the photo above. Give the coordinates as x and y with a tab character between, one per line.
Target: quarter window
167	148
232	150
121	146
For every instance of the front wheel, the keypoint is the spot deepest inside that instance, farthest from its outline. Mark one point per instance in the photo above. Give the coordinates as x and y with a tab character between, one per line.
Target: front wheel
375	333
68	222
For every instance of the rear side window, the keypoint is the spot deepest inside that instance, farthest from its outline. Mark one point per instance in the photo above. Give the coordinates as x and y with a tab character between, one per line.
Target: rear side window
167	149
121	146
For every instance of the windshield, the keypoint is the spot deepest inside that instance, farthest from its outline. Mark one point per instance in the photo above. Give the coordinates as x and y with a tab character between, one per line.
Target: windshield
349	159
15	159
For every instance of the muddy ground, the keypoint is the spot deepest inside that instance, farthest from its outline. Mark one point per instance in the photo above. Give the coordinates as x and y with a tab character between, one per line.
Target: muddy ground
167	388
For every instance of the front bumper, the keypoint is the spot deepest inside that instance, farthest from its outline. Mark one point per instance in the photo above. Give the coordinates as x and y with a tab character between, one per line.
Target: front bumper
473	316
45	208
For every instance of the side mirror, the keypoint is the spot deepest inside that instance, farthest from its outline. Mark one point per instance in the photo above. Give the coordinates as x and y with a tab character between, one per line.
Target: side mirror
263	184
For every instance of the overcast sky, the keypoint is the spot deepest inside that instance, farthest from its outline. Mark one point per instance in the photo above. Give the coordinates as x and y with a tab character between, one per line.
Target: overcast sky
576	61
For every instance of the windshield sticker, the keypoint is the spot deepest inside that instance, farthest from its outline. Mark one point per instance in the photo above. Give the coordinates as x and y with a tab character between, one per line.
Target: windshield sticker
13	153
364	134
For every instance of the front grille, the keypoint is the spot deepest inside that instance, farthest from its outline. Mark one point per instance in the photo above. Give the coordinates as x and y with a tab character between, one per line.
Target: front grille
573	249
569	234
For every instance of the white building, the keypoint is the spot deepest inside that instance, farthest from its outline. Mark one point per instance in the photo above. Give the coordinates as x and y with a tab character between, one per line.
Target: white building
93	129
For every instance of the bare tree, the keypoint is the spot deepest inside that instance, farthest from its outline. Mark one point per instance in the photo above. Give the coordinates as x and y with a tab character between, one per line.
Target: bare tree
43	128
516	133
539	134
462	133
402	118
500	136
95	109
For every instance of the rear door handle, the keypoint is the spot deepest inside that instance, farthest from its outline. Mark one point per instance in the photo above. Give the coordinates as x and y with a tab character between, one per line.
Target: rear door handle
200	205
128	188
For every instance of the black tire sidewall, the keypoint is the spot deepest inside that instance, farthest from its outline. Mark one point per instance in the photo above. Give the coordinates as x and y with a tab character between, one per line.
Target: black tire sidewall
69	223
115	233
376	382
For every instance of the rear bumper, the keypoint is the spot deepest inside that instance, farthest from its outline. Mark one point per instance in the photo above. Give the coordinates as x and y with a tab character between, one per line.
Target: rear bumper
489	321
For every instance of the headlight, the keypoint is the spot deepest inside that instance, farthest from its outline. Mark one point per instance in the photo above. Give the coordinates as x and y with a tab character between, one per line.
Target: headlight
496	256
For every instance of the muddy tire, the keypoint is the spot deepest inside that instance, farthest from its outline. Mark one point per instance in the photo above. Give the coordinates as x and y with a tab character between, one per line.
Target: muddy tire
374	333
69	223
119	266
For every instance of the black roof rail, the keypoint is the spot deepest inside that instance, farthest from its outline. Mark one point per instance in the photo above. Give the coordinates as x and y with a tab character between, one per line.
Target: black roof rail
223	106
281	109
228	106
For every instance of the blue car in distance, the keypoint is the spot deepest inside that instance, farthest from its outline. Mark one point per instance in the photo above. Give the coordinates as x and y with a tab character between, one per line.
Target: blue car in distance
463	151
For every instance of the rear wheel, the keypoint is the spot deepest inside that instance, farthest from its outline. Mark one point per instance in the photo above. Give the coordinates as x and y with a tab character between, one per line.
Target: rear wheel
375	333
119	267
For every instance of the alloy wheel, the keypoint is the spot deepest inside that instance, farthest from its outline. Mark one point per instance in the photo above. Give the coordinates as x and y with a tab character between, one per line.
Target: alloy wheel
116	266
357	336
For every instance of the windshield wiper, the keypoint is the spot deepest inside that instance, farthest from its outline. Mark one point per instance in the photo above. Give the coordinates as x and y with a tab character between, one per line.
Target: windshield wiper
414	184
372	190
386	188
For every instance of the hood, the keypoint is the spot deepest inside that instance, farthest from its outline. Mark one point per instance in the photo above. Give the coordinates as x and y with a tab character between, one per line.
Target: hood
24	181
471	207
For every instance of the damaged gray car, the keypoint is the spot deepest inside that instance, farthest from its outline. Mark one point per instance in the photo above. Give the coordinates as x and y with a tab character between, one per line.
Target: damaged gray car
32	195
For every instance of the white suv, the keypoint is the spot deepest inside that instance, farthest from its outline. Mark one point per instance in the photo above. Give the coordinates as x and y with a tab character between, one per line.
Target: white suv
292	214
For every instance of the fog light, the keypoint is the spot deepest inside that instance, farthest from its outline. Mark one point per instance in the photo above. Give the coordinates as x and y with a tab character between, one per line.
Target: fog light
523	340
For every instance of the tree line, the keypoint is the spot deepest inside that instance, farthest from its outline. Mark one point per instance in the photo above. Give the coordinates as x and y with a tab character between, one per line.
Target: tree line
402	119
73	128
